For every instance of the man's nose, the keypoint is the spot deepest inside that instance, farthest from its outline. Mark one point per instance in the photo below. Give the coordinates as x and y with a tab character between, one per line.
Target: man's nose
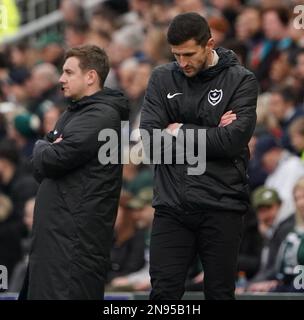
61	79
183	62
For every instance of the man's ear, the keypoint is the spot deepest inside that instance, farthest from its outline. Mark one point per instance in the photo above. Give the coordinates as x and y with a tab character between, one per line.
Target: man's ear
92	77
210	44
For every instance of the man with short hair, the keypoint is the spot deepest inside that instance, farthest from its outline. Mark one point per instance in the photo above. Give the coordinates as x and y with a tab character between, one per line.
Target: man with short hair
205	88
77	200
267	204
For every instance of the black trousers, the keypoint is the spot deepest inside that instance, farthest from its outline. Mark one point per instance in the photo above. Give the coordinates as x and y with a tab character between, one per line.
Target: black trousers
177	238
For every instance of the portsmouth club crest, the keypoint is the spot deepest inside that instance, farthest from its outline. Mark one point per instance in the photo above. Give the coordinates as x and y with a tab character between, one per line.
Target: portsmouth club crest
215	96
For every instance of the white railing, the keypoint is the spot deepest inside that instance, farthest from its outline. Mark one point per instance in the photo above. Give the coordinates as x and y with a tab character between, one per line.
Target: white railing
34	9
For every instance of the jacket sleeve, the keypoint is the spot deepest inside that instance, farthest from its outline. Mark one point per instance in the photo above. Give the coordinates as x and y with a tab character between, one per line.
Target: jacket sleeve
229	141
154	116
79	145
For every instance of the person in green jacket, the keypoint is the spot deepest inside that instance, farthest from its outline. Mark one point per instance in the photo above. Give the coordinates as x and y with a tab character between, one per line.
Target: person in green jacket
289	263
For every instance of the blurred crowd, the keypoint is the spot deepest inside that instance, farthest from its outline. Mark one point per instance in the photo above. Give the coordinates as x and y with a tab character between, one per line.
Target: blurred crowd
133	33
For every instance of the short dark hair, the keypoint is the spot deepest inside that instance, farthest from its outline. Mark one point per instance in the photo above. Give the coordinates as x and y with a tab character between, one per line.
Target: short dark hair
188	26
91	57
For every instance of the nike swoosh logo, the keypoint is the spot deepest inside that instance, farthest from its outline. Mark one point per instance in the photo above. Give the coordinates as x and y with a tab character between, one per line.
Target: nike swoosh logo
170	96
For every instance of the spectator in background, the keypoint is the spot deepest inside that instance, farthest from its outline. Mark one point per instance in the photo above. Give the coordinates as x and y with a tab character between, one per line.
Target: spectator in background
104	20
141	211
50	118
10	234
51	49
155	47
98	38
127	43
128	250
20	86
300	64
281	71
18	186
290	254
249	32
72	10
160	14
283	169
248	26
19	272
136	178
273	230
24	131
44	82
183	6
136	90
299	74
229	9
219	28
275	26
141	10
282	107
75	34
23	54
19	55
238	48
296	133
126	73
256	172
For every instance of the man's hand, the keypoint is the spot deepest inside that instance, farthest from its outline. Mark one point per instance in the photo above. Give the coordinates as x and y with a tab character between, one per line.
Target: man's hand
173	128
58	139
263	286
227	118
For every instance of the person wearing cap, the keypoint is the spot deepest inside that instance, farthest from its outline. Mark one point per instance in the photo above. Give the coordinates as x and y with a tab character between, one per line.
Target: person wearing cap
290	254
24	130
283	169
51	47
267	203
